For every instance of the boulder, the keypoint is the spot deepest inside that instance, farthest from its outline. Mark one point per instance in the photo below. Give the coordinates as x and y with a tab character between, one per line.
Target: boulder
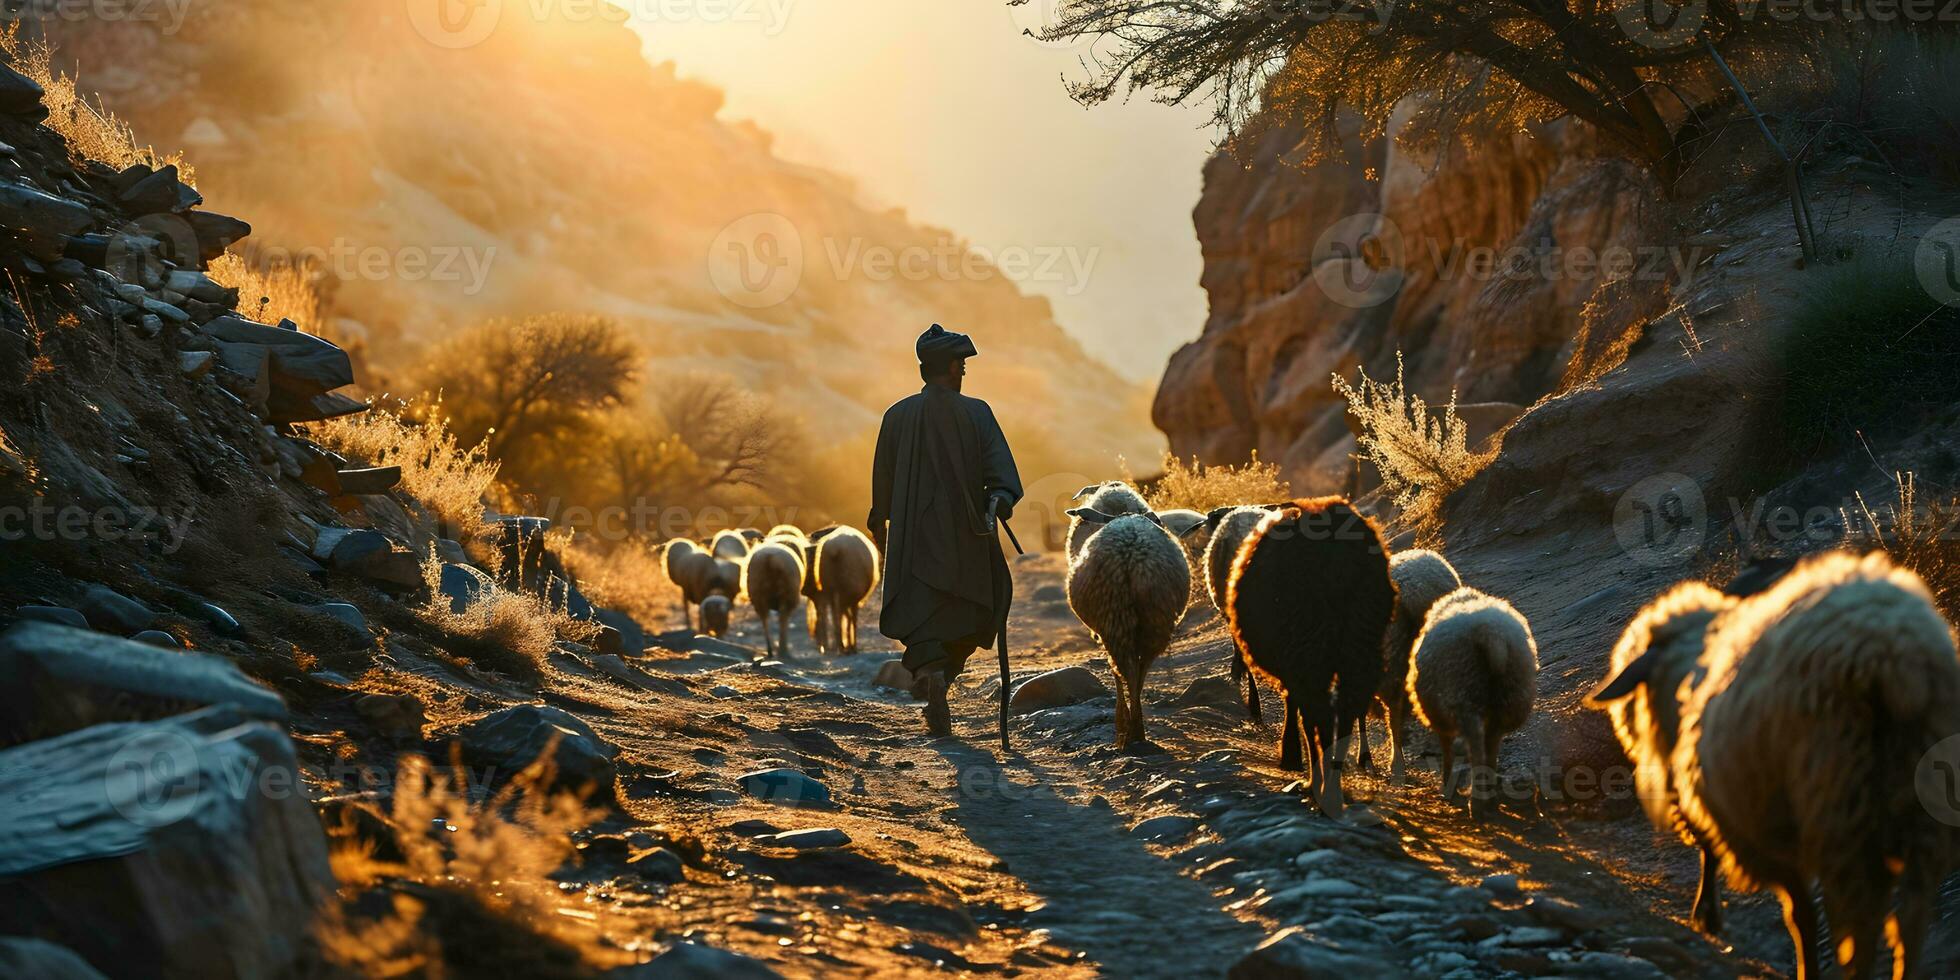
195	363
694	961
220	621
60	679
632	636
157	638
299	369
379	479
114	612
809	838
24	957
39	223
186	846
515	737
198	286
1293	954
785	787
464	585
161	190
1056	689
1169	827
659	864
21	95
214	232
893	676
57	615
345	612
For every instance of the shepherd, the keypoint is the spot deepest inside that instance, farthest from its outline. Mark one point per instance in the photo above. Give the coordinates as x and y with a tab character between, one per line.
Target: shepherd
941	473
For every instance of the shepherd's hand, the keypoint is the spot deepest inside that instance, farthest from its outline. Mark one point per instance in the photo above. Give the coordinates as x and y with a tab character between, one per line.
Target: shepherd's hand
1003	505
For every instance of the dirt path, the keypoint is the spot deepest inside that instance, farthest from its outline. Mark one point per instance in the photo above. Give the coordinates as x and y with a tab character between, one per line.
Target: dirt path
966	858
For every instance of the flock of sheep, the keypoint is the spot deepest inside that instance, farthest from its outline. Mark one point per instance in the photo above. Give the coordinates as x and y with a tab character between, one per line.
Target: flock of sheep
1781	726
835	568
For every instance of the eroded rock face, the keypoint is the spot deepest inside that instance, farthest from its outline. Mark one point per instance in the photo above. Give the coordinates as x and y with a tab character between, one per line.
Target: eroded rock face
1325	269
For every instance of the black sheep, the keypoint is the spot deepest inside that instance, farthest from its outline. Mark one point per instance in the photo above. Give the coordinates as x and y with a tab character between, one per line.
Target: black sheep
1309	601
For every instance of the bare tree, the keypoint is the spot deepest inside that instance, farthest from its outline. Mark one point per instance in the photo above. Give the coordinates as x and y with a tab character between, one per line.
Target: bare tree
1487	65
737	437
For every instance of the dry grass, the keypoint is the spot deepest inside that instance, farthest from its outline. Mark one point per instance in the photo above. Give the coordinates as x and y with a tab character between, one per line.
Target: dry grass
1422	457
1921	535
446	479
92	132
471	892
1196	486
630	578
510	631
271	295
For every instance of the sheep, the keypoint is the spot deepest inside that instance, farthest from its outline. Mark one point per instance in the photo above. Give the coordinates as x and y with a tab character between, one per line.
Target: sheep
785	531
690	569
1474	672
1308	600
714	614
1796	752
773	580
1114	498
1670	631
1128	582
731	545
1226	529
843	571
725	579
750	535
1421	577
1179	521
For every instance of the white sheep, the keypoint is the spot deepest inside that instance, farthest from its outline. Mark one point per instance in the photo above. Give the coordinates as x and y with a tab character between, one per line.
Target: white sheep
725	579
714	614
773	580
731	545
1180	521
1474	672
844	570
1799	751
691	570
1421	578
1128	582
1114	498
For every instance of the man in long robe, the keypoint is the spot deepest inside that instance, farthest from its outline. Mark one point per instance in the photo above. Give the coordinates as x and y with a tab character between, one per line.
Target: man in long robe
941	462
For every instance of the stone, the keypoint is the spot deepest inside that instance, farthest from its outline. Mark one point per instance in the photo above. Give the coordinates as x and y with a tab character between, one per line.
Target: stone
1170	827
807	839
345	612
753	828
60	679
213	232
1210	691
694	961
299	367
609	643
659	864
157	638
784	787
133	843
1049	593
24	957
373	480
195	363
199	286
1293	954
38	222
113	612
161	190
1500	884
220	621
1319	888
397	716
515	737
632	636
464	586
1057	689
57	615
893	676
21	95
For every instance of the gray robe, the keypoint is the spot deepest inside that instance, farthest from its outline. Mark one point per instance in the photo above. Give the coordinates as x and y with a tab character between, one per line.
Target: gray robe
940	456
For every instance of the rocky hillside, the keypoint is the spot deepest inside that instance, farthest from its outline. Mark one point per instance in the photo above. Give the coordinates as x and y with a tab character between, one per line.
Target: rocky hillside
549	167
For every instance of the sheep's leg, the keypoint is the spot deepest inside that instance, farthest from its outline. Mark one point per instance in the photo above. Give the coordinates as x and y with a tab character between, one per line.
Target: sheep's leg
1800	918
1364	760
850	625
1447	737
1122	708
1398	740
1919	891
1289	737
1242	678
1493	740
1856	911
1333	753
1473	748
1135	683
782	631
1708	896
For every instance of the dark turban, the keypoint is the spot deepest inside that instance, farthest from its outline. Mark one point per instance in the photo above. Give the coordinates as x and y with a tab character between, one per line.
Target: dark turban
939	345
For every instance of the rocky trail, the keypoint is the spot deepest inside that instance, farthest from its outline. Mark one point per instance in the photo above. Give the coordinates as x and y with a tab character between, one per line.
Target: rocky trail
1066	856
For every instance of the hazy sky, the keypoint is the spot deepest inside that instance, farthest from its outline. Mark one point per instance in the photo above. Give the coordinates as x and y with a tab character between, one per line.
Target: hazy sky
943	108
